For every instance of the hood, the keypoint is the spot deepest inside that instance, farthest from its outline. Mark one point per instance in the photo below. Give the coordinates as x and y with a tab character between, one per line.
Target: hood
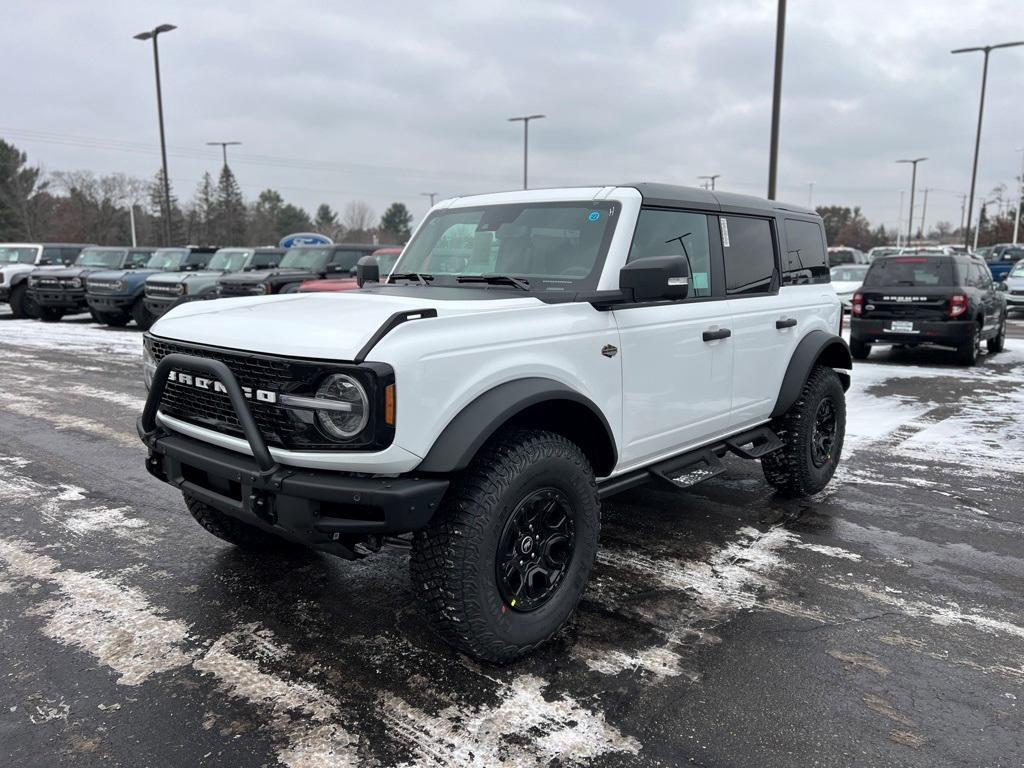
121	274
846	286
260	275
13	269
326	326
1015	282
63	273
173	278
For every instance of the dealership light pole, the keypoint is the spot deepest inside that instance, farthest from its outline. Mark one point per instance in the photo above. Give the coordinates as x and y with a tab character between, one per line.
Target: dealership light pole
526	139
431	195
1020	197
153	34
773	154
709	181
913	184
986	49
224	147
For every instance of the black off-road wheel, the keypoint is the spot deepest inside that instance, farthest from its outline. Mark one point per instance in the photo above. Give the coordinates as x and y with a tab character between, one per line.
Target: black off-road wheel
505	561
812	432
142	316
859	349
21	303
236	532
968	352
998	342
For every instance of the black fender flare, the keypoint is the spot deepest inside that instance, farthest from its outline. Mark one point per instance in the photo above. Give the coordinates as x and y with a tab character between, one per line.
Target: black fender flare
465	434
817	347
19	278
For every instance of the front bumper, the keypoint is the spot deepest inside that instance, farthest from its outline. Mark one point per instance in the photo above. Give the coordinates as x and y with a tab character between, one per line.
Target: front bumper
944	333
1015	301
58	299
119	303
324	509
158	305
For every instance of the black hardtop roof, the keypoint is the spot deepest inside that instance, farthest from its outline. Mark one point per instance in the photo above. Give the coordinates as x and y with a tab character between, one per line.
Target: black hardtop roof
674	196
344	246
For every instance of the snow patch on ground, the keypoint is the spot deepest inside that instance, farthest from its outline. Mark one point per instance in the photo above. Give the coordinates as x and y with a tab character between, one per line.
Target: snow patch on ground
92	340
33	407
836	552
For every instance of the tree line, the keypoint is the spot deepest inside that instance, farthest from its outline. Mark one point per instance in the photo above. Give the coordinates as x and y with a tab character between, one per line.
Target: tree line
84	207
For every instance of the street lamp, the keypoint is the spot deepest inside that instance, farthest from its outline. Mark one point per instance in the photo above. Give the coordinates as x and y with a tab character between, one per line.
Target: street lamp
1020	197
710	180
154	33
773	153
224	147
986	49
431	195
913	183
526	139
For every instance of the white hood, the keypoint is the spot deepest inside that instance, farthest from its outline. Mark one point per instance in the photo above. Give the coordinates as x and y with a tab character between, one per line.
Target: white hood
843	287
324	326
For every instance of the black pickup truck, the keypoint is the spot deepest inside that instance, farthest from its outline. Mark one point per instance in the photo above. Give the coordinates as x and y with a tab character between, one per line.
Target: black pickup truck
926	298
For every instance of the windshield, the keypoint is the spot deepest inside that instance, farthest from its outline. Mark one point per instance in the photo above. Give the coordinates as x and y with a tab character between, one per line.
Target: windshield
841	256
100	257
313	259
883	251
848	274
920	271
228	260
167	258
551	246
25	255
1018	270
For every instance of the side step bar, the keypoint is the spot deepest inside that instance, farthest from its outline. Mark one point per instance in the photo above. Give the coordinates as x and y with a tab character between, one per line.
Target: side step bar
696	466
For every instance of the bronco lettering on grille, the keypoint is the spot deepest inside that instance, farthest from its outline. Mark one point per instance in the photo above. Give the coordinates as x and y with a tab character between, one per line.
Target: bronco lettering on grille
212	385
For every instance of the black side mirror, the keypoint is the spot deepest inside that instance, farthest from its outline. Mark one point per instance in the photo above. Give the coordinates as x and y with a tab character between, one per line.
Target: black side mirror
657	278
1002	287
367	271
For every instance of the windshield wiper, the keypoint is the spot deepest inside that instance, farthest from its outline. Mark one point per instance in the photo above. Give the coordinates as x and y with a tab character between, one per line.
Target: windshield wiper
517	282
418	277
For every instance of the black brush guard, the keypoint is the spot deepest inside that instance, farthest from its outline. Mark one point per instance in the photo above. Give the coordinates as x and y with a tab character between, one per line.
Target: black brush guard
327	510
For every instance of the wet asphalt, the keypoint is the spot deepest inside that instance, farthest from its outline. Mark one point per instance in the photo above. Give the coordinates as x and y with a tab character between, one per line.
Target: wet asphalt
880	623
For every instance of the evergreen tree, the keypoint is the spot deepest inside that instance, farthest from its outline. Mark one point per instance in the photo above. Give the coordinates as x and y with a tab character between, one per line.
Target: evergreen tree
160	214
230	211
204	211
395	224
326	222
24	201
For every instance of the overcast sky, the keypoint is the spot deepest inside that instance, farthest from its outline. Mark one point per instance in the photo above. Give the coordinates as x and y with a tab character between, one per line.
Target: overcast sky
383	101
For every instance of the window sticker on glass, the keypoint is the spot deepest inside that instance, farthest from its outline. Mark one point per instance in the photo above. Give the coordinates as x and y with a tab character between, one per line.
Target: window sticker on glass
725	232
594	215
700	281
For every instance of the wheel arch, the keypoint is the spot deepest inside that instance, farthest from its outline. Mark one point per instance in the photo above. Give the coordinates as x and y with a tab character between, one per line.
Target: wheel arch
533	402
816	348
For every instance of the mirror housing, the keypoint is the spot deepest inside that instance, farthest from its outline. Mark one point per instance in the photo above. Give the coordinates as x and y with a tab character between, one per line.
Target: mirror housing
1002	286
656	278
367	271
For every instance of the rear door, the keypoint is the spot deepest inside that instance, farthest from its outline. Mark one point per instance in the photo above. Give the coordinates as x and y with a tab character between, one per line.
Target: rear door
676	384
991	302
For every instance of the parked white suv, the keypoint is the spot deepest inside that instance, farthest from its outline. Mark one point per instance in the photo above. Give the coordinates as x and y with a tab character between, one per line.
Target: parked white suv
530	354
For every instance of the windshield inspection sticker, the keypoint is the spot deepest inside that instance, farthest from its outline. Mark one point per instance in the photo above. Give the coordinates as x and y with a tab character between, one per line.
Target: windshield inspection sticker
594	215
725	232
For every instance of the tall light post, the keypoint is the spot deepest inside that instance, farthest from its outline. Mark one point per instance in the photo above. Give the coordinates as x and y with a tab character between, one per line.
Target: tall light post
525	119
773	153
710	181
924	212
431	195
986	49
899	226
1020	197
913	184
810	195
153	34
224	147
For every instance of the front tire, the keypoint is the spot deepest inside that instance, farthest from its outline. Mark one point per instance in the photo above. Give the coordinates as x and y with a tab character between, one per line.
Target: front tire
142	316
505	561
22	306
812	432
234	531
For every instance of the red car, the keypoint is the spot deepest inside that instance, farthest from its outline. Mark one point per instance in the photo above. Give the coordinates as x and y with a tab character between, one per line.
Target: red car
386	258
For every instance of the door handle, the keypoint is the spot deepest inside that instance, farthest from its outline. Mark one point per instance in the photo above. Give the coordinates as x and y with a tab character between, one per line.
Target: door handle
789	322
724	333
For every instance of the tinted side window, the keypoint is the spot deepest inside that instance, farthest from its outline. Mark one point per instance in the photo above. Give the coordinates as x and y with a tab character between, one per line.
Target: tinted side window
676	233
264	260
54	256
198	258
137	258
984	276
749	254
346	259
806	260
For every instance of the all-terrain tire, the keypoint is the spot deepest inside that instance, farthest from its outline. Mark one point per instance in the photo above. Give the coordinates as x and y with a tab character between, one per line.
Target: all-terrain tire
797	469
455	561
142	316
234	531
998	342
859	350
967	353
22	305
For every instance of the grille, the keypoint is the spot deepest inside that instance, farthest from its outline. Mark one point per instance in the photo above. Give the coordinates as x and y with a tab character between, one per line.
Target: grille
240	289
103	286
47	282
1017	293
162	289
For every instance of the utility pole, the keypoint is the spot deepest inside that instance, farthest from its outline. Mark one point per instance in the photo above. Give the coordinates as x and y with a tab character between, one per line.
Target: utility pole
1020	197
810	195
986	49
899	226
913	184
773	152
963	209
431	195
131	218
710	180
224	147
924	212
525	119
153	34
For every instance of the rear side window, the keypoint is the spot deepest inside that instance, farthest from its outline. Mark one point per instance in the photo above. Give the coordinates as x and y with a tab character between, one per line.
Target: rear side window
264	260
199	258
676	233
55	256
806	260
919	271
138	258
749	254
344	260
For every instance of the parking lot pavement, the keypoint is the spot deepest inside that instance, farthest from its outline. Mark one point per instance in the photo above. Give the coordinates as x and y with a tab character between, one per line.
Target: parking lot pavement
880	623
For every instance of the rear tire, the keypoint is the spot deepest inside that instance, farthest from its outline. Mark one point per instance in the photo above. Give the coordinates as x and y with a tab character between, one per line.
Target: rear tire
22	306
142	316
487	590
233	531
859	349
998	342
812	432
967	353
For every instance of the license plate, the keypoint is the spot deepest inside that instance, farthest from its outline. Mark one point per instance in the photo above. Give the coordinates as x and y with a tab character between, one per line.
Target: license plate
901	326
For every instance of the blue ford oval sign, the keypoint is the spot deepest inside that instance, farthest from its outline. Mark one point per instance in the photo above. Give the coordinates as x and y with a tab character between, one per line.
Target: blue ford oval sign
304	238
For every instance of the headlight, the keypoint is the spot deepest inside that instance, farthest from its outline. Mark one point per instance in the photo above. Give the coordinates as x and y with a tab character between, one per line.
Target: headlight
148	366
182	289
262	288
119	285
75	282
33	282
341	406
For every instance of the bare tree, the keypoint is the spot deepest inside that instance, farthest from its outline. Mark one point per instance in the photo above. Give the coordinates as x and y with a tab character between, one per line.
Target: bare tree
358	216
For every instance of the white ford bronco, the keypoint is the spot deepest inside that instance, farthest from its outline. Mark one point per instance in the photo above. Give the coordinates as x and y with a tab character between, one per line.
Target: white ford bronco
530	354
